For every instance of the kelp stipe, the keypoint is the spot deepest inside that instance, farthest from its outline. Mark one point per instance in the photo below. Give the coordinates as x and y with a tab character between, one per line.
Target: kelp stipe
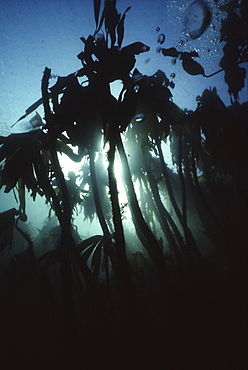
147	287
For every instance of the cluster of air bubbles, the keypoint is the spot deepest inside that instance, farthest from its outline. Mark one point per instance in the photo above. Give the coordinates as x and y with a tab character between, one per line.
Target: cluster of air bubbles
212	52
136	88
160	40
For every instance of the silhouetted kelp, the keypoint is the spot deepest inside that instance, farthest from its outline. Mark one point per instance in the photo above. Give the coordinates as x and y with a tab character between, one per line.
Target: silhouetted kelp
125	294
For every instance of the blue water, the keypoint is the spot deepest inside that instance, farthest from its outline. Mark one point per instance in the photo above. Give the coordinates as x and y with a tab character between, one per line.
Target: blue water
36	34
197	320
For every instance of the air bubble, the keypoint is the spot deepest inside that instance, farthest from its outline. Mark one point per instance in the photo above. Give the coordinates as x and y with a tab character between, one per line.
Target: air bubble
157	29
136	88
139	117
161	38
173	75
179	56
197	19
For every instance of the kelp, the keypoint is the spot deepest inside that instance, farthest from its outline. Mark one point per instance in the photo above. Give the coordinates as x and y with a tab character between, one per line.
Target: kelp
7	223
194	68
24	162
31	159
206	147
234	34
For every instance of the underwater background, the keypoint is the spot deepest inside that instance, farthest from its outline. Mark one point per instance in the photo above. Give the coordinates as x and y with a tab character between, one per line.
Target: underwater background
141	262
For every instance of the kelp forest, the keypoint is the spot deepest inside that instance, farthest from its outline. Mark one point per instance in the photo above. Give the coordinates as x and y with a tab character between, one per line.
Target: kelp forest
162	286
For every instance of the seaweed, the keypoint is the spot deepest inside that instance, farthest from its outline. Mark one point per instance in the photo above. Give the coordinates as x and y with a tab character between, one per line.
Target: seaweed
206	147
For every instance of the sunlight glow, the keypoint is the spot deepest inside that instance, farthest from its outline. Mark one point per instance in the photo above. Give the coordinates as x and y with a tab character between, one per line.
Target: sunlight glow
167	155
68	165
118	175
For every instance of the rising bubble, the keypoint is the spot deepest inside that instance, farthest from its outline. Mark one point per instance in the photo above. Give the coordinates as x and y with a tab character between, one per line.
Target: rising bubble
147	60
197	19
139	117
161	38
